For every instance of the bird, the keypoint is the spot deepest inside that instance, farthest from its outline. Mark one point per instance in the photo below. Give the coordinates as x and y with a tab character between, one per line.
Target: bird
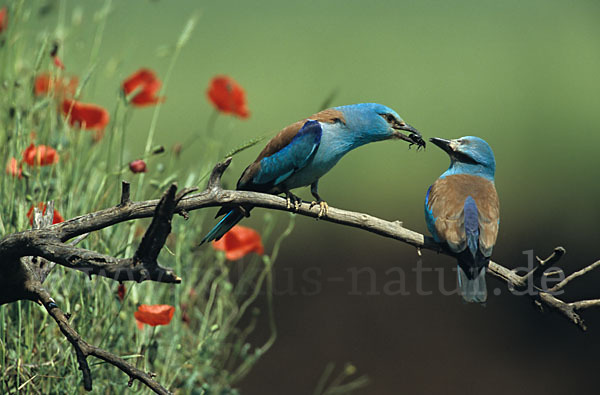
462	210
301	153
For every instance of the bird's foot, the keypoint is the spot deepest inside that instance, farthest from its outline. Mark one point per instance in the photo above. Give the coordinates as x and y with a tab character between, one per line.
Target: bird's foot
294	200
323	207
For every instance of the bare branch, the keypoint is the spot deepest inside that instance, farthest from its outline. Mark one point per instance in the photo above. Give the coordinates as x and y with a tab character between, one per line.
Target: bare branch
19	280
91	262
585	304
573	276
213	196
83	349
541	263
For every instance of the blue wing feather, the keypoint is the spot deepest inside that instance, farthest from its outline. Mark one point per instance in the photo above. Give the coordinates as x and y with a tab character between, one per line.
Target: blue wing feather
471	225
278	167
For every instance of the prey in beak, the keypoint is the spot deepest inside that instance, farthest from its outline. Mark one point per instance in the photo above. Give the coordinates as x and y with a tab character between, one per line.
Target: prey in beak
413	137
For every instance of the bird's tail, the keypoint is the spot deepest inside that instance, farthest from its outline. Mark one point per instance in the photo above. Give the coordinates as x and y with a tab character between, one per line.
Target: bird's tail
227	222
472	290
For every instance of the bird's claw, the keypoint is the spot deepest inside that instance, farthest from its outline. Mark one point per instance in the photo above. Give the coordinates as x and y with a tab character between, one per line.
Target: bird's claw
292	199
323	207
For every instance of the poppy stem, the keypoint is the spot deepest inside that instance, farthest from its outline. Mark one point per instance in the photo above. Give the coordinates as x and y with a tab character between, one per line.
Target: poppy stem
212	120
210	126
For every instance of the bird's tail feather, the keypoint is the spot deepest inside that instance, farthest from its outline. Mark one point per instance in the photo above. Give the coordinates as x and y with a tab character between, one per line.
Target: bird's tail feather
472	290
225	224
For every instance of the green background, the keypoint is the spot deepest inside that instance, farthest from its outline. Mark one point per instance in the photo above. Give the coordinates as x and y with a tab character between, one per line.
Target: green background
523	75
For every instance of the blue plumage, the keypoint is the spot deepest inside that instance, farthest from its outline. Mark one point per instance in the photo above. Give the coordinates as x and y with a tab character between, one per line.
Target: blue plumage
463	211
471	225
300	154
224	225
281	165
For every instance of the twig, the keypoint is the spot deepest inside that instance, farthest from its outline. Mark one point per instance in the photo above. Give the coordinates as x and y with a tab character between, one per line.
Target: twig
84	349
213	196
31	242
18	280
125	191
573	276
551	260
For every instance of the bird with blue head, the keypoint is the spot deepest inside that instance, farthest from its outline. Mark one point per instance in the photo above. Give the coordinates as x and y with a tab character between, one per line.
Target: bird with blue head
301	153
462	210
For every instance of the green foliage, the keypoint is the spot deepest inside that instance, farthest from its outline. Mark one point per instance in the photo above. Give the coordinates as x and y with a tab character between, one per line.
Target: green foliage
205	348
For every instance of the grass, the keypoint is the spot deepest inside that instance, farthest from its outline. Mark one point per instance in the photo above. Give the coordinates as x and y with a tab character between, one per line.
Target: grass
205	348
208	351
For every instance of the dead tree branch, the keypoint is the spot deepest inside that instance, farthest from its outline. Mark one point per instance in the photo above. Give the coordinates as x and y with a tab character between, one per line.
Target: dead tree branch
83	349
32	254
21	277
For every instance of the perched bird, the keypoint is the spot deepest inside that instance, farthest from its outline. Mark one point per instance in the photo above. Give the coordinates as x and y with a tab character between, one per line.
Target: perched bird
303	152
463	211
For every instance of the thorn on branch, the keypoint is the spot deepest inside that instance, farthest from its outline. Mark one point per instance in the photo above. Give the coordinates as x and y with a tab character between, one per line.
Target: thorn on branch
125	193
214	182
558	253
184	214
553	258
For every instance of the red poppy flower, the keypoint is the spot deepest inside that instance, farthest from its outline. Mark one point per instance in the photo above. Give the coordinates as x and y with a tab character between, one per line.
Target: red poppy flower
228	96
42	155
143	81
14	168
153	315
56	218
138	166
238	242
121	292
3	19
45	84
85	115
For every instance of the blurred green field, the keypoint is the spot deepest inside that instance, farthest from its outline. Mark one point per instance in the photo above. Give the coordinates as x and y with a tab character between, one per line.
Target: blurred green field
523	75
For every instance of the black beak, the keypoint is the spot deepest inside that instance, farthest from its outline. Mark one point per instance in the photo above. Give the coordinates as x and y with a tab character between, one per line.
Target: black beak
442	143
414	136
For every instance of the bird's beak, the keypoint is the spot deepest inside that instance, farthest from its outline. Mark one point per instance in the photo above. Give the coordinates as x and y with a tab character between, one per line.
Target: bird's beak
414	136
447	145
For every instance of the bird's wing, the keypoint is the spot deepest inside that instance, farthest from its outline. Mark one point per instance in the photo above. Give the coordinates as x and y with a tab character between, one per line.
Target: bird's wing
446	203
287	152
444	207
273	169
488	207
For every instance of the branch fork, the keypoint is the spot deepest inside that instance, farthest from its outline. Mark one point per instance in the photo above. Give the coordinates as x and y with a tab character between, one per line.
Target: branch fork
29	256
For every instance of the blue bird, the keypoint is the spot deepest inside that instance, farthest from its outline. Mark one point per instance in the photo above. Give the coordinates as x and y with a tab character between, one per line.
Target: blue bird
300	154
463	211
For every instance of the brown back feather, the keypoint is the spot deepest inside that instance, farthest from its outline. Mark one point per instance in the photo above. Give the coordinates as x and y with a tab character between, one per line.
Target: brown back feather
446	200
284	137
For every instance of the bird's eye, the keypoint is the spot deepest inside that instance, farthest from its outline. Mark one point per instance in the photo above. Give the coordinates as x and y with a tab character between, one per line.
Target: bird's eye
388	117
